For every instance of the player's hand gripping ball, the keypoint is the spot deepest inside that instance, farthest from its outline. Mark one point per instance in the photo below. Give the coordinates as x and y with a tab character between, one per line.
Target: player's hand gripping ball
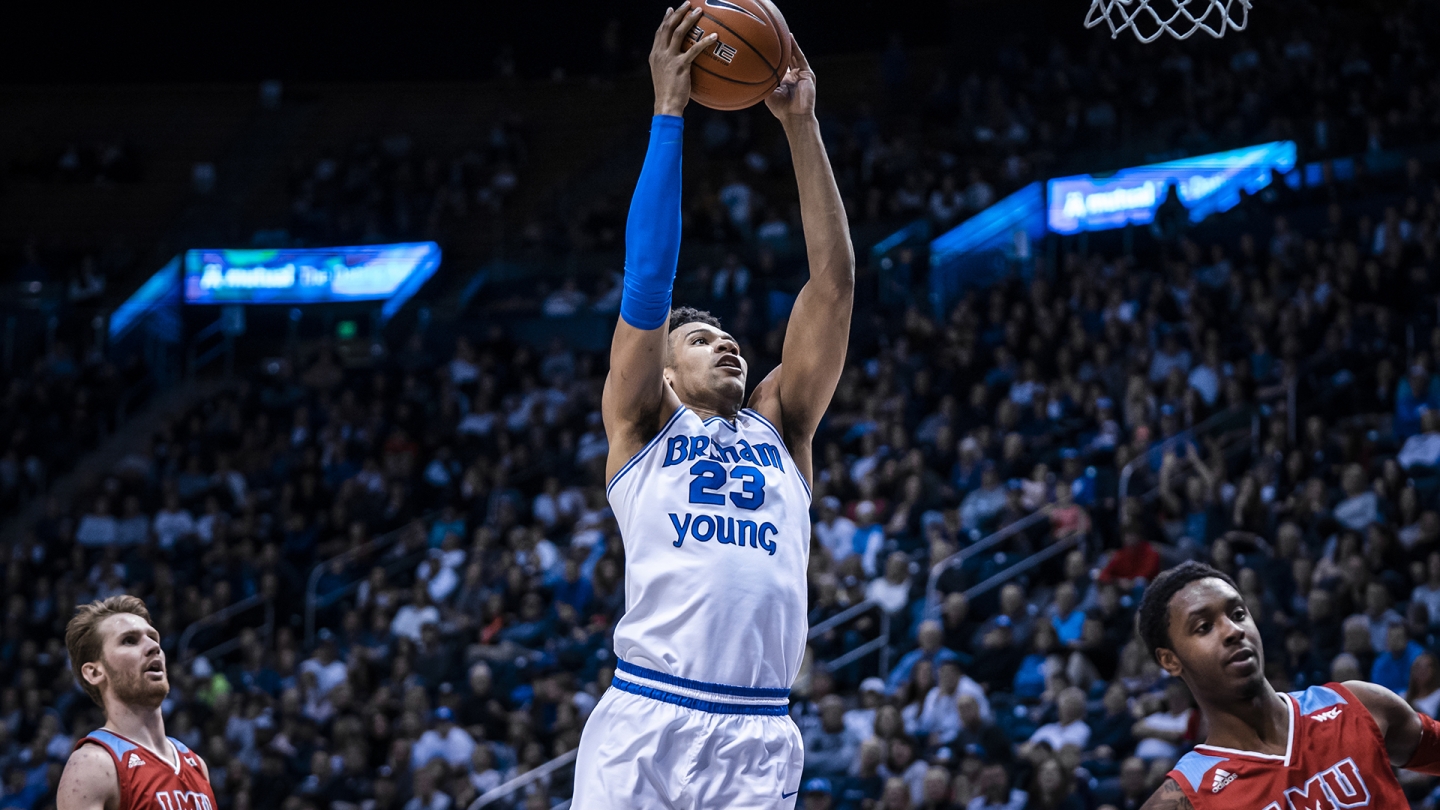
747	60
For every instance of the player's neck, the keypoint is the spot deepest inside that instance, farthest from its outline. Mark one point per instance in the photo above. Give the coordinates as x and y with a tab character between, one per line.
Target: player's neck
704	412
140	725
1260	724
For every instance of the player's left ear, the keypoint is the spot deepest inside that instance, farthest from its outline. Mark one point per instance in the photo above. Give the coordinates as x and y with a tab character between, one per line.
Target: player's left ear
93	673
1169	661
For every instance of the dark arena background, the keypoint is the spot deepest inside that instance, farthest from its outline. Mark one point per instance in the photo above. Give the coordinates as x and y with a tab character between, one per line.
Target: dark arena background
1118	305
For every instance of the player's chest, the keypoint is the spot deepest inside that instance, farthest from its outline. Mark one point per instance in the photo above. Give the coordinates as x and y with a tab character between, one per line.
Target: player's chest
159	786
715	467
1327	782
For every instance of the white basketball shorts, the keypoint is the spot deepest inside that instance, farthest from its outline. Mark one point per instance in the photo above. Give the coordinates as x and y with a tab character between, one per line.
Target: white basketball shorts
658	742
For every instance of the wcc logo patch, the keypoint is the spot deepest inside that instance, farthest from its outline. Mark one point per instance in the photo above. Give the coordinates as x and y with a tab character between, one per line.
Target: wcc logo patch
1326	715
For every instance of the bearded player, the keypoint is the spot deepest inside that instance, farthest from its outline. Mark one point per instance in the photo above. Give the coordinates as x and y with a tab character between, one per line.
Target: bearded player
1325	748
712	498
129	764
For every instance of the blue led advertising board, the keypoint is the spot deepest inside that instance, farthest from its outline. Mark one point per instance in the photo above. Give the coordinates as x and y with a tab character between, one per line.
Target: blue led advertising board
1206	184
390	273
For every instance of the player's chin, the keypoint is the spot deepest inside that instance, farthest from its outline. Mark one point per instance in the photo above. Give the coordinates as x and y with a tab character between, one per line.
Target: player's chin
1244	684
731	385
156	693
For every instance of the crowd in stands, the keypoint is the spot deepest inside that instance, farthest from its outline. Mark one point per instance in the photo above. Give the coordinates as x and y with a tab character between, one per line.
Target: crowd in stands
58	387
1266	389
102	162
475	573
391	189
943	142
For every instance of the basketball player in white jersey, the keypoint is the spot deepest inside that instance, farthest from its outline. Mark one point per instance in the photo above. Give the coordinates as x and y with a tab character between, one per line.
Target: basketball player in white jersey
712	497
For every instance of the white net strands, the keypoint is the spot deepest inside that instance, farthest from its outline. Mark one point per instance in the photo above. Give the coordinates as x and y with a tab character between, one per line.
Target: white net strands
1151	19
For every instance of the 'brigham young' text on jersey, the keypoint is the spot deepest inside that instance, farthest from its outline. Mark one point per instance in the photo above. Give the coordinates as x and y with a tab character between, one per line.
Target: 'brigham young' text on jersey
716	523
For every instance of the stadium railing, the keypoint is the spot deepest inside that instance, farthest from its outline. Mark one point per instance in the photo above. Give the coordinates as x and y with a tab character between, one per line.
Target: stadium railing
524	780
222	345
880	644
1224	423
1050	552
315	601
1234	427
932	586
221	618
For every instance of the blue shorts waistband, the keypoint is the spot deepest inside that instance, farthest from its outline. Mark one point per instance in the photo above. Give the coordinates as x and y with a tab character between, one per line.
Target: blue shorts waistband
717	689
711	706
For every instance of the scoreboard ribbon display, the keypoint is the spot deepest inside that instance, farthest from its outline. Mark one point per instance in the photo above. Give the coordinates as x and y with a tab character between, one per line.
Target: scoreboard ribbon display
309	275
1205	184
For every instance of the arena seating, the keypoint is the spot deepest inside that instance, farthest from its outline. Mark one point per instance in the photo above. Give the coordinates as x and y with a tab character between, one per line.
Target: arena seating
393	586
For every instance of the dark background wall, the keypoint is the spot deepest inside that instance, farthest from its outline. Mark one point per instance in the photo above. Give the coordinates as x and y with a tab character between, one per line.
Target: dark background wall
324	40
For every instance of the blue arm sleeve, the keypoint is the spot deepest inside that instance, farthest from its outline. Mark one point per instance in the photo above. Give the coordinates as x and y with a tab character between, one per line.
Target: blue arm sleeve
652	233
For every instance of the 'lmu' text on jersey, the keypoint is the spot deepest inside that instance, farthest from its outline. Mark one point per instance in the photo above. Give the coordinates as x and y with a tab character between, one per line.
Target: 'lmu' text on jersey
1336	787
182	800
724	475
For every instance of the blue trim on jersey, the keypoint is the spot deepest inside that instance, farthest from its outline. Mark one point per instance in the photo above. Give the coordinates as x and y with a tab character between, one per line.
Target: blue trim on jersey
711	706
119	746
636	458
701	686
1316	698
179	746
722	420
1193	767
781	439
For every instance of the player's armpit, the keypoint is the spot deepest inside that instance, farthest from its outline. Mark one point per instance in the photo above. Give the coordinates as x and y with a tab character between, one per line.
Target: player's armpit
1169	797
635	390
89	782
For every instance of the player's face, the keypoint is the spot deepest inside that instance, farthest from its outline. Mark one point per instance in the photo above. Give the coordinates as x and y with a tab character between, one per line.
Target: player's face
1214	642
705	367
133	663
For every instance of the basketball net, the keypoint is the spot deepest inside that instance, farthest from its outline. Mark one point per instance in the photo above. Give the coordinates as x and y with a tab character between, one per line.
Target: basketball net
1148	24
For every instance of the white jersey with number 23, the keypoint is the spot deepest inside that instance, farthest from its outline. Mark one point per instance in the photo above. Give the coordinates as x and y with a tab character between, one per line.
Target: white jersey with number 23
716	524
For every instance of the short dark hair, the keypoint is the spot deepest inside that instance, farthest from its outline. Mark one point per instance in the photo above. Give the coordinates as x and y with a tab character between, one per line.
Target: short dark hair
680	316
1153	621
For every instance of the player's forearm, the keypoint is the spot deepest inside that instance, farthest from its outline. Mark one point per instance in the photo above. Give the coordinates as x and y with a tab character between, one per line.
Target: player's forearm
652	231
827	231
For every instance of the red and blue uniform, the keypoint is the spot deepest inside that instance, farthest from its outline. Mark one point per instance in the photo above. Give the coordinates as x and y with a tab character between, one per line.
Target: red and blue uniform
1334	758
148	782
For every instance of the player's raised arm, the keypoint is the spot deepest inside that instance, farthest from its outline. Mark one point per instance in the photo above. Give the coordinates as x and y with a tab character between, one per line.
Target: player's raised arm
819	330
636	400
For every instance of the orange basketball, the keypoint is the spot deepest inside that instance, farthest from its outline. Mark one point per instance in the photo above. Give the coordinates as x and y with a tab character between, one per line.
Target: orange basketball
748	61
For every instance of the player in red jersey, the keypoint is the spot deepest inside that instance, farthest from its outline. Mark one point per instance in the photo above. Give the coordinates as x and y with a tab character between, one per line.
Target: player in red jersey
1325	748
129	764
